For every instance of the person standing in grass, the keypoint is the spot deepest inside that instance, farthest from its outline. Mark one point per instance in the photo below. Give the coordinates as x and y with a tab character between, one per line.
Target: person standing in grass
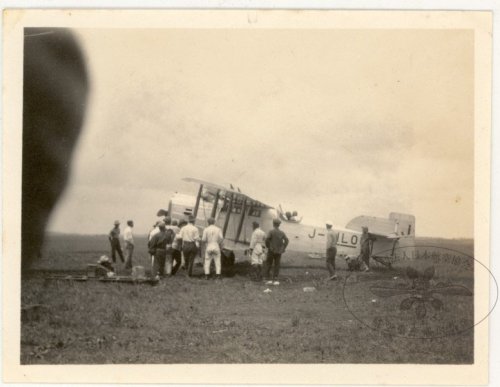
158	249
176	251
177	245
170	231
128	237
366	241
257	250
331	250
190	243
212	237
114	240
276	243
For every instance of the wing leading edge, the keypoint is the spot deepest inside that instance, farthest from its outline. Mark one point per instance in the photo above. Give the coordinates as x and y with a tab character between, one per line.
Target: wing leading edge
213	188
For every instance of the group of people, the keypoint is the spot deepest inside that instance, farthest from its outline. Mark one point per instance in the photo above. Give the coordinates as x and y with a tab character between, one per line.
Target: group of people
170	241
362	262
173	244
266	250
114	240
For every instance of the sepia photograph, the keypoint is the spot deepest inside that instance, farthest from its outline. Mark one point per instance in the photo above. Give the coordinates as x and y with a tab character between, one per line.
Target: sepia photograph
253	188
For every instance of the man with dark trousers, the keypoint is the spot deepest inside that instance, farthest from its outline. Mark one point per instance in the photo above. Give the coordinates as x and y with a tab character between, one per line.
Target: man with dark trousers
158	249
128	237
366	243
276	243
331	250
176	250
190	243
114	240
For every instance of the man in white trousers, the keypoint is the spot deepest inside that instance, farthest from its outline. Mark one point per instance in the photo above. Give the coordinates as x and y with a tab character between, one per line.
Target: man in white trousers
212	237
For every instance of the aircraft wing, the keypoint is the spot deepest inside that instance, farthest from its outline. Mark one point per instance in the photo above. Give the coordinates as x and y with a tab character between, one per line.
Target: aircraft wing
224	190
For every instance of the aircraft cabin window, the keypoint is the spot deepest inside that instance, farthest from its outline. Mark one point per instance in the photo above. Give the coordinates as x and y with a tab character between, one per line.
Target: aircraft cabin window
255	212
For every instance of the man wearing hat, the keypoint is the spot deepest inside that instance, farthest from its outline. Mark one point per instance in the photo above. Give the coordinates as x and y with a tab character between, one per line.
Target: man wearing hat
114	240
276	242
331	249
158	246
257	249
190	243
366	241
212	237
171	233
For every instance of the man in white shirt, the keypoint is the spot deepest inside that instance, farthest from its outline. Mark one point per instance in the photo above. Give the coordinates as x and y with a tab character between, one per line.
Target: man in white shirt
212	237
128	237
177	246
257	249
176	252
171	234
155	230
190	243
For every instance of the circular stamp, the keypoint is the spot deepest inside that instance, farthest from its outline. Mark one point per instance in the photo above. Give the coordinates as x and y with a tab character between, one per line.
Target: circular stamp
424	292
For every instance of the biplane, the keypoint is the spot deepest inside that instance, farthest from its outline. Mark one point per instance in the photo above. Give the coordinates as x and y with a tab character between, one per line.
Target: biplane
235	211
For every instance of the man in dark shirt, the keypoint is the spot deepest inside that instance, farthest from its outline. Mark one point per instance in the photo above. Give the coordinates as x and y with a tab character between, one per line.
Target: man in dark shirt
114	240
366	243
158	249
276	243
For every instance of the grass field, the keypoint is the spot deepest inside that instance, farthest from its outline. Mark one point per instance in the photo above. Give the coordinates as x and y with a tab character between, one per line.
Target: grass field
191	320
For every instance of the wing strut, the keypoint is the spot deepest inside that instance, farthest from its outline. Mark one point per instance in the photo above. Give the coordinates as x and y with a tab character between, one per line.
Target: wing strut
228	214
216	202
197	205
240	226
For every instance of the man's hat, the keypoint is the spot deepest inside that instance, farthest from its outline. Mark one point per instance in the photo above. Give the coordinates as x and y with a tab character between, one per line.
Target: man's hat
117	222
329	223
276	221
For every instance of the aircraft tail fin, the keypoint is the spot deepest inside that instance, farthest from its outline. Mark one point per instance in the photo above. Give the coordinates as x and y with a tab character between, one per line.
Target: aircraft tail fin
405	223
396	225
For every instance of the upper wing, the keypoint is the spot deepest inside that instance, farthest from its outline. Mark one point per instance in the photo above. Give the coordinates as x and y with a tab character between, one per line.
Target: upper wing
213	188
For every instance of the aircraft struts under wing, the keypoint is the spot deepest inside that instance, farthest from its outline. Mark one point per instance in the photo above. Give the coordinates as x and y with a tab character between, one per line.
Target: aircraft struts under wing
222	191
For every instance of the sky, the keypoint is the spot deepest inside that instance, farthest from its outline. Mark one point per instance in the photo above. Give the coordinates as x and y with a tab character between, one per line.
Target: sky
331	123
